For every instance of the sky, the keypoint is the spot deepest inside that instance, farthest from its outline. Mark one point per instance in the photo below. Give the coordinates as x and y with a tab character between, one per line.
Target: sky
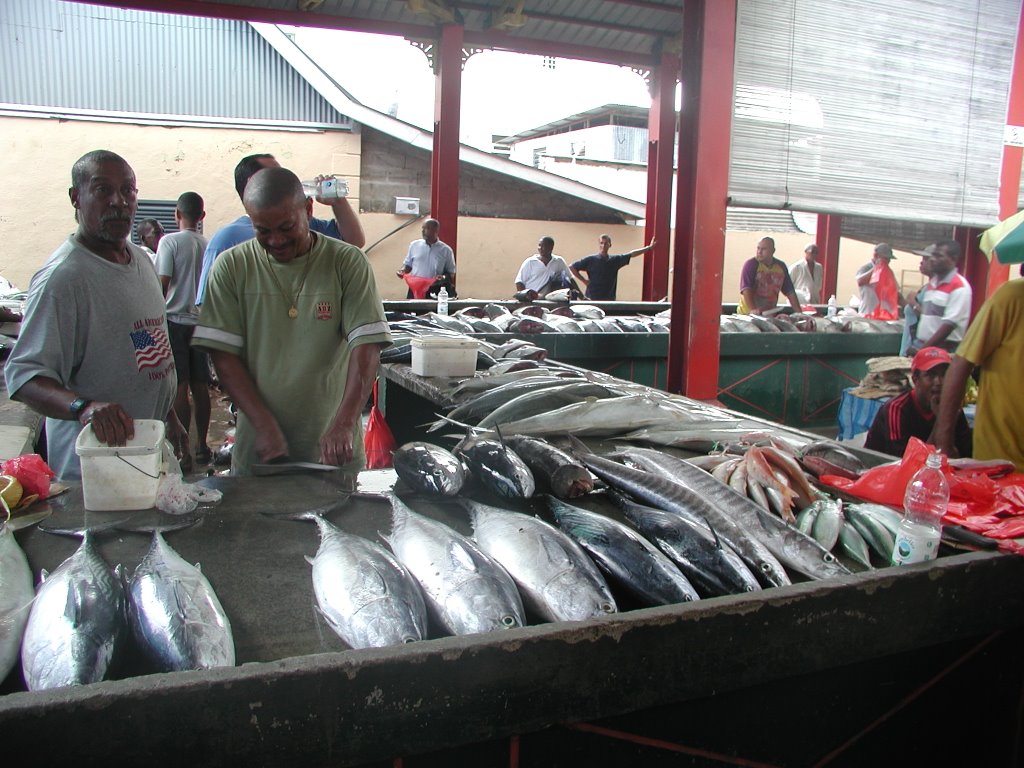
502	93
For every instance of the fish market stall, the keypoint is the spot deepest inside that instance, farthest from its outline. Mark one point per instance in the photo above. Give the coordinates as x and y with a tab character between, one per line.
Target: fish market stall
296	697
785	376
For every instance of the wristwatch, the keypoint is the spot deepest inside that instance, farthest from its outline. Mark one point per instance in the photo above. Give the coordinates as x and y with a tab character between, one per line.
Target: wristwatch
78	405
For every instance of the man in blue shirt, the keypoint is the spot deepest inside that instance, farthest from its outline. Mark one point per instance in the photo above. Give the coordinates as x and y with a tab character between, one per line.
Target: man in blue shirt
603	270
344	226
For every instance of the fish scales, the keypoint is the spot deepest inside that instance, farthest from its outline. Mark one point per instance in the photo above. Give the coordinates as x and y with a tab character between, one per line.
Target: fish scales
176	617
797	550
366	596
465	590
16	593
78	623
626	557
556	578
669	495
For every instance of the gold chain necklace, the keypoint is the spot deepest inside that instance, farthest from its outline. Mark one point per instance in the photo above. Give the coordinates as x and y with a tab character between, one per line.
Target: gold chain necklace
293	310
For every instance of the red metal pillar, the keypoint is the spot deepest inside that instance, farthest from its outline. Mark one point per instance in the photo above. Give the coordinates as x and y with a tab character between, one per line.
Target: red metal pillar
444	162
661	130
830	229
1009	177
973	264
709	41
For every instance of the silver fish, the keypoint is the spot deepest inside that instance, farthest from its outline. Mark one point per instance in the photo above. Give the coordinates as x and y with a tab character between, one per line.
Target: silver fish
533	401
797	550
656	489
429	468
77	625
16	595
366	596
176	617
465	590
827	522
626	557
556	578
854	546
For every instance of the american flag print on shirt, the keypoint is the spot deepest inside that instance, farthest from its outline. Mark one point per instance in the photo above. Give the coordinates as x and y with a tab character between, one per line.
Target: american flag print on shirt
151	347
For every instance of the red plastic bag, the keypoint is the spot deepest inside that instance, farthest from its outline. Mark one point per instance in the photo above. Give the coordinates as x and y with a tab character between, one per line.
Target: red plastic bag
378	442
32	472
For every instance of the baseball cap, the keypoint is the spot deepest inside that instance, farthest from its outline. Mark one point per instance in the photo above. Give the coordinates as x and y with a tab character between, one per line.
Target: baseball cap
926	251
929	357
884	250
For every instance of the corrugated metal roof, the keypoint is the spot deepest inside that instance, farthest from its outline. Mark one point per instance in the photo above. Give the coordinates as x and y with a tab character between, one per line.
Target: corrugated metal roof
626	32
149	63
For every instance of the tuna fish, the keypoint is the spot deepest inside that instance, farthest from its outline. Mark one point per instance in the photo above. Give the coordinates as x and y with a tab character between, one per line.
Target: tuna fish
627	558
78	625
497	466
366	596
176	618
566	477
16	595
429	468
557	580
465	590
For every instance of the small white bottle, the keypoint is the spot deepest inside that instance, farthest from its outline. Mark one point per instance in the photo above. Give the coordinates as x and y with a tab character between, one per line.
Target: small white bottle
327	188
924	504
442	301
833	309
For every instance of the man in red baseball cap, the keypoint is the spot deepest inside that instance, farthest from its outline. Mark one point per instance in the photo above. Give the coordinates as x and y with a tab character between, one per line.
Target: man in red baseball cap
912	414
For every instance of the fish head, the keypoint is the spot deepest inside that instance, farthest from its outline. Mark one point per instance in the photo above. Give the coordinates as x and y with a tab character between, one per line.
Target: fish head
573	598
474	606
392	628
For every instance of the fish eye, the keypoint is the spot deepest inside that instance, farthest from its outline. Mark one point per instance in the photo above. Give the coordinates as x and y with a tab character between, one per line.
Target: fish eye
509	621
765	567
607	607
409	639
829	557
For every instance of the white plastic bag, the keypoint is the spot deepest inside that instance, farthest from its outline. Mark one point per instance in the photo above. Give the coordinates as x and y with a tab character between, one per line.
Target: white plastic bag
173	495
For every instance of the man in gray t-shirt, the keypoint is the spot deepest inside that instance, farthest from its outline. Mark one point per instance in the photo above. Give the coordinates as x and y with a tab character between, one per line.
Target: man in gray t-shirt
93	346
179	263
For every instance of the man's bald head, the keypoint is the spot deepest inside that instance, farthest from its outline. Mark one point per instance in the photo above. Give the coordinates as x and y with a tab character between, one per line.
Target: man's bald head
272	187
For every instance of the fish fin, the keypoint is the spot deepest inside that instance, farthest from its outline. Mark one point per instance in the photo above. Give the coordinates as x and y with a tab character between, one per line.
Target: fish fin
457	553
577	446
309	559
73	610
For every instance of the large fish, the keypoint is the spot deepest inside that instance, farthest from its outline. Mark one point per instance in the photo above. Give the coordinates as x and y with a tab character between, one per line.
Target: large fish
557	580
532	401
656	489
16	595
599	417
366	596
176	618
465	590
497	467
797	550
486	402
77	625
626	557
567	478
429	468
710	565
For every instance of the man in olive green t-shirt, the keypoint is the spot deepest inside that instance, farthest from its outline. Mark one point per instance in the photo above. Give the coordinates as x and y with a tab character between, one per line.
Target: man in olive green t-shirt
295	325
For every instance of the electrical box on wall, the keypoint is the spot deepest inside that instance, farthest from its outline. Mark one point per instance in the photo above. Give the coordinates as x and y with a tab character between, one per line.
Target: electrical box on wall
407	205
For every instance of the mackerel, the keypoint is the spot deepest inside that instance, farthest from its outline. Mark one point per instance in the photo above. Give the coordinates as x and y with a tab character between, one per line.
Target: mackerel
626	557
657	490
797	550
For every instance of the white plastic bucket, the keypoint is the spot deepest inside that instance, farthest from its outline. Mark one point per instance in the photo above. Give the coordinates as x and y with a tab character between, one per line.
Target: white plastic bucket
123	476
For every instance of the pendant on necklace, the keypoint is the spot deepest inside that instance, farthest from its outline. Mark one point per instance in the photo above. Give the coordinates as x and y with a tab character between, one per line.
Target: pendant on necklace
293	313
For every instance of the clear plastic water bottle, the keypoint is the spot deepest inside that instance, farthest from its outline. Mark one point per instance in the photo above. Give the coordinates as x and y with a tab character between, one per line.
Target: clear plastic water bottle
442	301
833	309
924	504
327	188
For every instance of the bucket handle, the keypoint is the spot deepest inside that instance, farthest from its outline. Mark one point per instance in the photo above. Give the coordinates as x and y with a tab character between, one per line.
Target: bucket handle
137	469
